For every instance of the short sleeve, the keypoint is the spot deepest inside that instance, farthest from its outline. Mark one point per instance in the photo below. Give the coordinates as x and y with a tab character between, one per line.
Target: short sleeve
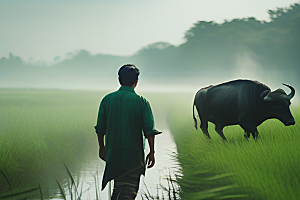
101	121
148	121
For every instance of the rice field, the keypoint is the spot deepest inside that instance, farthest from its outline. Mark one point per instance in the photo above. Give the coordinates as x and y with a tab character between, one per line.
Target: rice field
237	168
42	129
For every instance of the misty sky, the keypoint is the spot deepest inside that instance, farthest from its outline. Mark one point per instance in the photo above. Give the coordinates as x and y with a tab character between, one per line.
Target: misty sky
44	29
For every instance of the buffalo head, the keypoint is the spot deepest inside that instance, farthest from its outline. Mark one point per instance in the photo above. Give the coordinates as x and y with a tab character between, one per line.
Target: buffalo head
280	103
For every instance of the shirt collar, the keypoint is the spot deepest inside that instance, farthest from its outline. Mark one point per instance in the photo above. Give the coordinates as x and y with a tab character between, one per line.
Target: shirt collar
126	88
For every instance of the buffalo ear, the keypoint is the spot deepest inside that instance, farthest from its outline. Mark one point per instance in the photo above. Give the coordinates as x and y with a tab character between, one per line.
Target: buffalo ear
264	94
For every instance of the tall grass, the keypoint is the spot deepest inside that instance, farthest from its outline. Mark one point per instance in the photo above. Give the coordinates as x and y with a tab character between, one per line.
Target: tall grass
171	191
266	169
40	129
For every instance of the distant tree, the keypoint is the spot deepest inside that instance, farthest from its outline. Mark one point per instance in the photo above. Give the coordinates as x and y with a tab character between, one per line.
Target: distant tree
209	46
12	61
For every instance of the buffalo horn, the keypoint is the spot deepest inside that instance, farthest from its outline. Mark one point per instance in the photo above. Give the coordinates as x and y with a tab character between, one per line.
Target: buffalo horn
292	94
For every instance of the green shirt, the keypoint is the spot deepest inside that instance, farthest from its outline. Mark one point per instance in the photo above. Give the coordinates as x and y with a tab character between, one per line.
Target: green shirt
125	119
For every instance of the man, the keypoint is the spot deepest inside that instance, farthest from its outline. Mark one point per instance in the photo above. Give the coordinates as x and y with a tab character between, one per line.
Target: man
123	116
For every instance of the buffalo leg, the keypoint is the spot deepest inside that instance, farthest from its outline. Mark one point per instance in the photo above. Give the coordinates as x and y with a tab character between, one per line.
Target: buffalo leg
255	134
250	128
204	128
247	135
219	130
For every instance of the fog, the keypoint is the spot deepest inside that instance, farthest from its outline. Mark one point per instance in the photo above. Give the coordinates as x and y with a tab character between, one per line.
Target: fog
41	30
212	53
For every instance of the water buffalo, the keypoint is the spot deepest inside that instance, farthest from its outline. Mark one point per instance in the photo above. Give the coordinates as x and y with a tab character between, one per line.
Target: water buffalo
244	102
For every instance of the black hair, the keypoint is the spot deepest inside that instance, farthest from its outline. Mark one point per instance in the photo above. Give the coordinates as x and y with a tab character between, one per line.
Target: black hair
128	74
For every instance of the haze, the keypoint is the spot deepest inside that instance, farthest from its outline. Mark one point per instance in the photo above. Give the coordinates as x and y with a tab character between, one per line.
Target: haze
177	45
36	30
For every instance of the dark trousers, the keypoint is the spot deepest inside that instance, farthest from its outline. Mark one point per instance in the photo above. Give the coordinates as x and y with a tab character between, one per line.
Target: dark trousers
126	186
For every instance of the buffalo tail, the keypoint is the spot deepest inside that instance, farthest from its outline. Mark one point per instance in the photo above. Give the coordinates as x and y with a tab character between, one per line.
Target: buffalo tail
196	126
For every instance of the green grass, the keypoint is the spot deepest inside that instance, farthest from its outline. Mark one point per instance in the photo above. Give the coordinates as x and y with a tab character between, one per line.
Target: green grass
266	169
41	129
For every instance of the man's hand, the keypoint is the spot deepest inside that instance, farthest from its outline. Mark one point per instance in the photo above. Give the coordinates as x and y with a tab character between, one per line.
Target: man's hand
101	147
102	153
150	160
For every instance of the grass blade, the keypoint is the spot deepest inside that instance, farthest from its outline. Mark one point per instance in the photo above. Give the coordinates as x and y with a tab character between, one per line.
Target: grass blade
41	192
80	194
70	175
61	190
72	179
6	178
238	196
96	188
19	193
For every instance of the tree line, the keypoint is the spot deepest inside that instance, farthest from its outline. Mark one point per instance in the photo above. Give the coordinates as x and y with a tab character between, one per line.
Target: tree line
274	46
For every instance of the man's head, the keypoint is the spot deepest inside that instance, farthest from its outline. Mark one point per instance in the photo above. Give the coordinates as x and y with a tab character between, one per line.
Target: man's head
128	75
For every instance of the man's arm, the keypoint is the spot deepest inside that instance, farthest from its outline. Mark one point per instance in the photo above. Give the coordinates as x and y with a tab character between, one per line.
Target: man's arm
101	129
149	133
102	147
150	159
